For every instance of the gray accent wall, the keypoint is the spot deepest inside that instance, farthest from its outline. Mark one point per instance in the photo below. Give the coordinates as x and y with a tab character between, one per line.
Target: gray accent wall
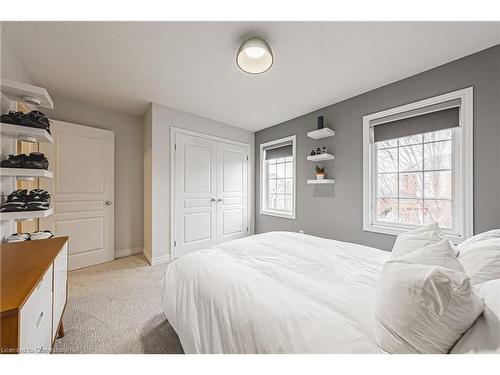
336	211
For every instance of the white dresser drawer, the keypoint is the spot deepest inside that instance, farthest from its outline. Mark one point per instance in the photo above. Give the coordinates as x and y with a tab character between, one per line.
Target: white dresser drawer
40	340
33	311
60	287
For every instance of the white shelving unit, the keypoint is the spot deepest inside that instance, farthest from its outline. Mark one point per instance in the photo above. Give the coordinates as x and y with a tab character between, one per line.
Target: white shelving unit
321	157
24	174
325	181
25	215
25	133
28	94
321	133
33	97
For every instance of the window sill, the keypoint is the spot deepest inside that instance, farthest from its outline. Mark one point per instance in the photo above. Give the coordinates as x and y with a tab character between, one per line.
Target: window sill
394	231
278	214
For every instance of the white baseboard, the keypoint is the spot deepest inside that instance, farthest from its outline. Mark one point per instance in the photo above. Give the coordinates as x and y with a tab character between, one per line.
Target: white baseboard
147	256
128	252
157	260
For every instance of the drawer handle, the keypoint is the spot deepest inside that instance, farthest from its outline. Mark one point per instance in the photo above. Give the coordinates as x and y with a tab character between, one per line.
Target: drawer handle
39	319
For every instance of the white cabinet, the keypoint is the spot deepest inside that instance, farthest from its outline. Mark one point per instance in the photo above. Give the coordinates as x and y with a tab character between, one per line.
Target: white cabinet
34	291
210	192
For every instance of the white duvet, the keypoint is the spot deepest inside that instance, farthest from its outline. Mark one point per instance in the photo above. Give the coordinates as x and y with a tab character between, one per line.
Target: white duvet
277	292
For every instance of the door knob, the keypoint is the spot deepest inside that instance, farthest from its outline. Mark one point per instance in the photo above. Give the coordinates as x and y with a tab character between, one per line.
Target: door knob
108	203
213	199
219	200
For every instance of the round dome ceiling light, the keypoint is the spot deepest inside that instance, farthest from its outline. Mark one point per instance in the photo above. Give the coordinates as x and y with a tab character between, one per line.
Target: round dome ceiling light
255	56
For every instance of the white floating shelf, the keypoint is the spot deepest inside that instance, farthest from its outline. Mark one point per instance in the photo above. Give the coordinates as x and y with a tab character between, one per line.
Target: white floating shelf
25	215
319	182
321	133
29	94
321	157
25	133
23	173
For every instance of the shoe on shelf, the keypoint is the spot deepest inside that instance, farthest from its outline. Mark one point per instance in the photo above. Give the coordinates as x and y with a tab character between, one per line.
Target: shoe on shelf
13	117
14	161
18	237
36	160
16	201
38	200
41	235
36	119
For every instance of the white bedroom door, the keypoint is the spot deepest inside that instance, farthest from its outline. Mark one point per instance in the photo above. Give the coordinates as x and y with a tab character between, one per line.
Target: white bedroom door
82	191
211	193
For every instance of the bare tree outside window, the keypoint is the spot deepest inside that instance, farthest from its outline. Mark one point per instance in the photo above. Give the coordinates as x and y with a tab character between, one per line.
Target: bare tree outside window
414	179
280	184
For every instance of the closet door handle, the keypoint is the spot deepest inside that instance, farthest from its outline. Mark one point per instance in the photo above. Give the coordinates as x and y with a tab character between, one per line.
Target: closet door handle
219	200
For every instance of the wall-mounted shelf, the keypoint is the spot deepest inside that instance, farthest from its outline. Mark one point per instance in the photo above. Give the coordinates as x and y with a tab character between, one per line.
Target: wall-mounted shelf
25	215
321	182
321	157
29	94
25	133
23	173
321	133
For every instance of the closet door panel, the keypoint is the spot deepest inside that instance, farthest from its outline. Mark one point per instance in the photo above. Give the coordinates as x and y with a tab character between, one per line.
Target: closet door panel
195	205
232	191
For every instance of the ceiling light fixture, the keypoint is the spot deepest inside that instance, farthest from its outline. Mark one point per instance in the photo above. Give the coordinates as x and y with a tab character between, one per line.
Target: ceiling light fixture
254	56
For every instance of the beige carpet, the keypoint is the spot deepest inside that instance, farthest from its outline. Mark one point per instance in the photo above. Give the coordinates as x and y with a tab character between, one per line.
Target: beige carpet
116	308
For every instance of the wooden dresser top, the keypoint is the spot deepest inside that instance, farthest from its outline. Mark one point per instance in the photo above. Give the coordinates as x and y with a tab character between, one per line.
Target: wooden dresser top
22	264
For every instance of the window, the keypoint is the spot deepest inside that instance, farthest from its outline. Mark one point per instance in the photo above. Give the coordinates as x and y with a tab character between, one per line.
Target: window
277	163
418	166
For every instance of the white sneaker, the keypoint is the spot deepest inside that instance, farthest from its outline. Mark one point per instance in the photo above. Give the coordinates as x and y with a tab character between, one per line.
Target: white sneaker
41	235
18	237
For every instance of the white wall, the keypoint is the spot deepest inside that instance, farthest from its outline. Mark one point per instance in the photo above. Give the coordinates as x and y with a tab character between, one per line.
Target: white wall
158	123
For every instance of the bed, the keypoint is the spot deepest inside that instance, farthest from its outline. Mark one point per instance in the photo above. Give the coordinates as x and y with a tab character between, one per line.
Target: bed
277	292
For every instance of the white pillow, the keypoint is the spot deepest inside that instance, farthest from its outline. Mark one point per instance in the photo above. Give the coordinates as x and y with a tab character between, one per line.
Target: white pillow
424	302
484	335
480	256
416	239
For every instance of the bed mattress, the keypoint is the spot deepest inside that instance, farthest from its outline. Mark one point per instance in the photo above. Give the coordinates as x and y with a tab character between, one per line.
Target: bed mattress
277	292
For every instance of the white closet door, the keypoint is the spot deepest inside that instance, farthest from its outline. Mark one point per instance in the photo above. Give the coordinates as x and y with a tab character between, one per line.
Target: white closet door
195	197
232	194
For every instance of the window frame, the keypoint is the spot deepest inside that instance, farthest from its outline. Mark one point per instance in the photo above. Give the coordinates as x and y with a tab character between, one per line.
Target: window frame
264	181
462	166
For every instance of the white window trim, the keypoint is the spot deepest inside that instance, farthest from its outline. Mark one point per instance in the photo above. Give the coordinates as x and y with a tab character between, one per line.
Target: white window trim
263	146
464	170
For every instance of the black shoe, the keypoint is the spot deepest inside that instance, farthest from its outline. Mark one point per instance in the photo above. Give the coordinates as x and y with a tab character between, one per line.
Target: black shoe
36	119
13	117
38	200
14	161
16	201
36	160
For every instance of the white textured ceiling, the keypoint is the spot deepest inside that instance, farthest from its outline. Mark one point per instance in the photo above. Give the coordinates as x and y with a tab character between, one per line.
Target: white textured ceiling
191	65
